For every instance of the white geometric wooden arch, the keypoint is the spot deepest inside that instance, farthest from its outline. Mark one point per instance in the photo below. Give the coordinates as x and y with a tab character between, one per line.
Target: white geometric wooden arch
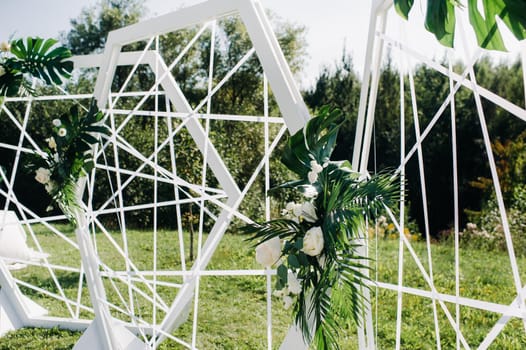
407	51
105	333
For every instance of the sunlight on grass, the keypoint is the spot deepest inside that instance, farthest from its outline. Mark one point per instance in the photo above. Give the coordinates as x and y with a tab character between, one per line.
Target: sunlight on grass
232	310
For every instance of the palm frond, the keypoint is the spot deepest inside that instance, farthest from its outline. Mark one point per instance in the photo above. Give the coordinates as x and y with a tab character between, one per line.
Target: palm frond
282	228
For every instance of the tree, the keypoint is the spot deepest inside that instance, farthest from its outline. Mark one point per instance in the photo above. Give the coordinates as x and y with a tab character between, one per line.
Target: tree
90	29
242	94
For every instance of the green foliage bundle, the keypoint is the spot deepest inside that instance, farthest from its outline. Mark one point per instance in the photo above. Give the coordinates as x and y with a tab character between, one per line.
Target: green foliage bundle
32	58
317	240
67	156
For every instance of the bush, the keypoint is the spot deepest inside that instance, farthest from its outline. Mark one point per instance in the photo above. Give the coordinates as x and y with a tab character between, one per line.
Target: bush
485	228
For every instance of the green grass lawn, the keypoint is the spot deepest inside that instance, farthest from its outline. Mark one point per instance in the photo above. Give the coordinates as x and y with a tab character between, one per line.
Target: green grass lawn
232	313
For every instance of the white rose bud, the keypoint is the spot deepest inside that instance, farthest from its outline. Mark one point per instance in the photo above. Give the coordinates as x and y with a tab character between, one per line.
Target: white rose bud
5	46
294	284
2	70
308	212
57	122
268	252
316	167
287	302
51	143
313	241
43	175
312	176
62	132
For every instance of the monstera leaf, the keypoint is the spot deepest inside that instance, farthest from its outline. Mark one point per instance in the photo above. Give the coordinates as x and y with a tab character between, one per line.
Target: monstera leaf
40	58
440	19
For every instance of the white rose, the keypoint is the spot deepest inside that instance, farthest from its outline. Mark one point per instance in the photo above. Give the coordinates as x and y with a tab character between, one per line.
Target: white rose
287	302
43	175
62	132
308	212
57	122
5	46
312	176
316	167
268	252
51	142
310	192
290	206
313	241
294	283
297	210
2	70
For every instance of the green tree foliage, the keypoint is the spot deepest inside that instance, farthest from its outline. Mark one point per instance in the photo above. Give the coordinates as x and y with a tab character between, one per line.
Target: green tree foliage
240	144
90	29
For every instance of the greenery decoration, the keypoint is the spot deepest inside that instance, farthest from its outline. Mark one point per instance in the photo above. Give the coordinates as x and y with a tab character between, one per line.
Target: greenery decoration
315	245
67	156
440	19
34	57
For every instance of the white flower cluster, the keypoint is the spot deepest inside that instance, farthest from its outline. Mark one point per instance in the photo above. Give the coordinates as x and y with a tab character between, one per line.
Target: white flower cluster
43	175
269	252
62	131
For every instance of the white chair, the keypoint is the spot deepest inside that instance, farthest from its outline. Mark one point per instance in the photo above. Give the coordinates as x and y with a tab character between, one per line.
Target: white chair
13	246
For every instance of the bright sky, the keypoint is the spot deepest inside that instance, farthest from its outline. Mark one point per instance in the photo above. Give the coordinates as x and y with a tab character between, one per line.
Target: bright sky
331	24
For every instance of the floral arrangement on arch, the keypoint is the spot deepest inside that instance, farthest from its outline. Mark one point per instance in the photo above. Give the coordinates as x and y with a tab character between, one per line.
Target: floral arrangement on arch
67	156
314	246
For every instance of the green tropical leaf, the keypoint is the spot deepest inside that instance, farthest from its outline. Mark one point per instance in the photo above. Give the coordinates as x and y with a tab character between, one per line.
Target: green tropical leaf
486	30
440	20
10	84
403	7
37	57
